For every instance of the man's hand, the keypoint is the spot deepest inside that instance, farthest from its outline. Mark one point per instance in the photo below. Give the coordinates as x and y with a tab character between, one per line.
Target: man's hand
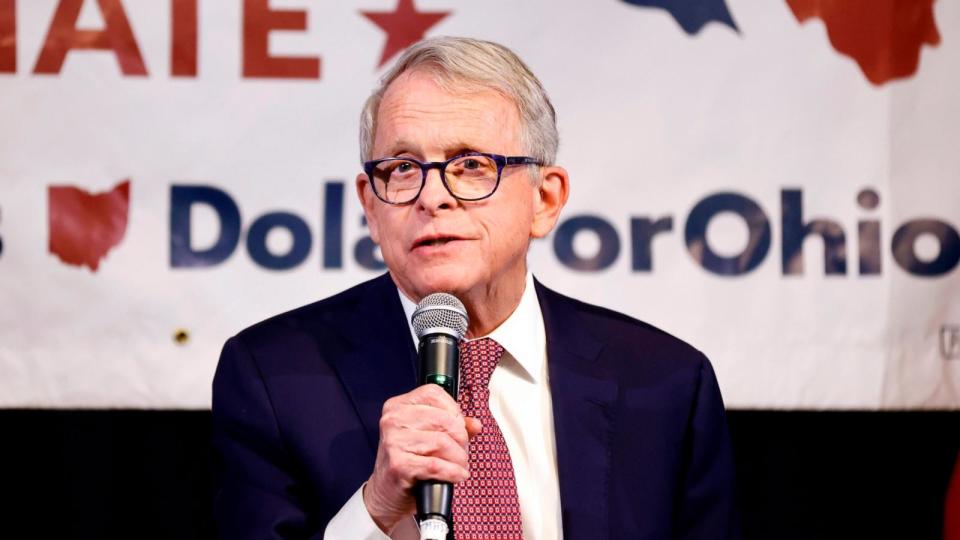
423	436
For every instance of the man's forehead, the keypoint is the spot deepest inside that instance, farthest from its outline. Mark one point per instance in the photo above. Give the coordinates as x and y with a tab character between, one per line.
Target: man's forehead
429	93
451	145
418	110
425	92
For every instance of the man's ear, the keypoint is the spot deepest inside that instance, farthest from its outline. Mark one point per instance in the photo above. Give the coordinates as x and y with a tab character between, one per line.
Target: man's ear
368	200
548	199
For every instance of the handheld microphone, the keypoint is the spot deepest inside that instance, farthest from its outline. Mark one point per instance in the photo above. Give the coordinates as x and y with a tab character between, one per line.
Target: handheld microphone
440	322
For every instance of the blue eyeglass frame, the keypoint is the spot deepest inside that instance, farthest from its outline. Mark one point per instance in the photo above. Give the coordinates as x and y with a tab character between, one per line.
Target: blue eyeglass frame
425	167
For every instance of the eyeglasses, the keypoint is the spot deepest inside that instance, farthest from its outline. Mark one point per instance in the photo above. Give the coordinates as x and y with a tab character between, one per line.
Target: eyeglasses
468	177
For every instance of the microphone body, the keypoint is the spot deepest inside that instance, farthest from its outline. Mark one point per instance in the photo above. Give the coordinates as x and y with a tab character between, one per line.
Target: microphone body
440	322
439	364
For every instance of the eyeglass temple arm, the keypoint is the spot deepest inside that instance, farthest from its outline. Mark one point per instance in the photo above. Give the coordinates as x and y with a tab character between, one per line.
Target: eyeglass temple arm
522	160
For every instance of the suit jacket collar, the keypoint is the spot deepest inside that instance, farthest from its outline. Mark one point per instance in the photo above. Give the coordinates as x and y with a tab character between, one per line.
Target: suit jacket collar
379	360
583	390
522	334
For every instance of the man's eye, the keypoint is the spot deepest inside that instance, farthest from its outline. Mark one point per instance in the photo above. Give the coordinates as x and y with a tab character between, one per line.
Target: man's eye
404	167
470	163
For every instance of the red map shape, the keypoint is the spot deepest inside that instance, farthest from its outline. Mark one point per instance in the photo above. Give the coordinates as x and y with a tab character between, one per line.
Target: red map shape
883	36
85	226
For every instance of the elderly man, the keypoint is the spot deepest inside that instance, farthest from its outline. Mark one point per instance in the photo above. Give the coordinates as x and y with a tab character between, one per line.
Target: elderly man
573	421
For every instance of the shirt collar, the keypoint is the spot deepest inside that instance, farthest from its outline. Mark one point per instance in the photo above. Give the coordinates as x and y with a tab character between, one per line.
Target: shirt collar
522	334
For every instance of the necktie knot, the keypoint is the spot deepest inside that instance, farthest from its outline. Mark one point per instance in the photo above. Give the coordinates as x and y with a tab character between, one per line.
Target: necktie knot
478	359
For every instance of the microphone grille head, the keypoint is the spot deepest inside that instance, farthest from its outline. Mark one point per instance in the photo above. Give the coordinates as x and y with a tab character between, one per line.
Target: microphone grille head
440	313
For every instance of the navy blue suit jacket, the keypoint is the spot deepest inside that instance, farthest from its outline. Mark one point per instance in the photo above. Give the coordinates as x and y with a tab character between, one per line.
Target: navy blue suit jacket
642	444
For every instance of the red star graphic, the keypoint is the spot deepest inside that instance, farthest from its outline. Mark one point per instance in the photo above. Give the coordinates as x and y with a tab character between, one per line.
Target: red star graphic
404	26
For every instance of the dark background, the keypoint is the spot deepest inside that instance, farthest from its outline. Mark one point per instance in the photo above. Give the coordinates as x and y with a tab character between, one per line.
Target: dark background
801	475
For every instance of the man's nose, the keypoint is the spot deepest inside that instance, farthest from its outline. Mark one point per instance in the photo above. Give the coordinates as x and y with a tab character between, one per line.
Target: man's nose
434	195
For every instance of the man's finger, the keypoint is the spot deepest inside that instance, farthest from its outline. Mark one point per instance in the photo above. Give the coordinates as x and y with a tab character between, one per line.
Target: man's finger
425	418
434	444
431	394
474	426
431	468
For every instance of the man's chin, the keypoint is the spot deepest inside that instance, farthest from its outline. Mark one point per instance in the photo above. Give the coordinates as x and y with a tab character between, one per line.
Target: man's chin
446	280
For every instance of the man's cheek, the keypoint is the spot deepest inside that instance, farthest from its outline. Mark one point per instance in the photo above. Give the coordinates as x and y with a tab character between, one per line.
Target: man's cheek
373	224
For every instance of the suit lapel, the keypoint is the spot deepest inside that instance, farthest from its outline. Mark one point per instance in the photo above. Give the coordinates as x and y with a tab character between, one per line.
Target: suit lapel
583	394
379	357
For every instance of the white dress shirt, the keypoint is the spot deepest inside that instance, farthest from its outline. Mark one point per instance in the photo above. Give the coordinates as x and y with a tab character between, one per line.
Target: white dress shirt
520	403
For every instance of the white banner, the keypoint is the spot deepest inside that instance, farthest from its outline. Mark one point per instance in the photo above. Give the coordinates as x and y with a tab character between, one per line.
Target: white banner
774	182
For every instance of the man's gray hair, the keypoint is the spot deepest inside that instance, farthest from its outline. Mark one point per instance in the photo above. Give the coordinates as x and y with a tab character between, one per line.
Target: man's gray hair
453	61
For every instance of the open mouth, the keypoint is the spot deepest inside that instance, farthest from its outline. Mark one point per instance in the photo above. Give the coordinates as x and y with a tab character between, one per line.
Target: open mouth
434	241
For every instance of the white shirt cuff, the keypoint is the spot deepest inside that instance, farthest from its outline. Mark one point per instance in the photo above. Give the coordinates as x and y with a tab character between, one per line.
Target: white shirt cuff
353	522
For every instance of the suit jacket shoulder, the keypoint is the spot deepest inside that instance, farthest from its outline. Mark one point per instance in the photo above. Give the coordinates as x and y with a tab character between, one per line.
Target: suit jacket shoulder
308	319
296	402
630	345
643	449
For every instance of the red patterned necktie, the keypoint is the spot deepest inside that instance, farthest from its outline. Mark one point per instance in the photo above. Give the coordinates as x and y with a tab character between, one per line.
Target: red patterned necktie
485	506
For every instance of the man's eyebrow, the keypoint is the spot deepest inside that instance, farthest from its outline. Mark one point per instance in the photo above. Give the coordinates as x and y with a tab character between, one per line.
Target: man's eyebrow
460	149
399	146
452	149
